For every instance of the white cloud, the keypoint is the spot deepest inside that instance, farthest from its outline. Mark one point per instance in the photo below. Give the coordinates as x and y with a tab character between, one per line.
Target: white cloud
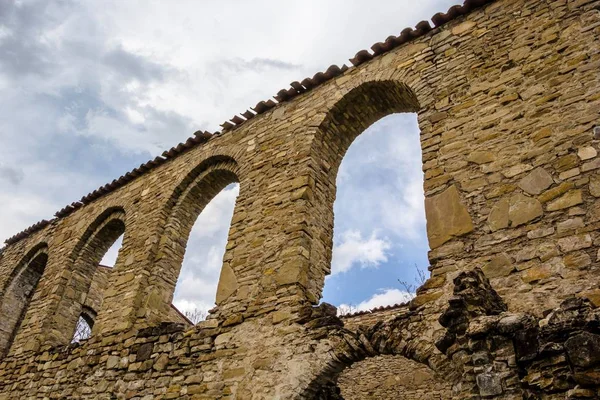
380	182
354	250
17	208
217	214
385	297
185	306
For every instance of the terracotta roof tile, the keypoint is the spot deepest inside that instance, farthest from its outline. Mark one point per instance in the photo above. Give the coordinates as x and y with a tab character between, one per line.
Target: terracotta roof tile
375	310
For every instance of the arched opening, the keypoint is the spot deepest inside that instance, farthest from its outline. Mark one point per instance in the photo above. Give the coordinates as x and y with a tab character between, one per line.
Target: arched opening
392	377
85	323
384	226
110	257
18	293
88	278
380	240
383	359
196	287
194	238
380	236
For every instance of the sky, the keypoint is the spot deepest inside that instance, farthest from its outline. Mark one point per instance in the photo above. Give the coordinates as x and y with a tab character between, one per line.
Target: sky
90	90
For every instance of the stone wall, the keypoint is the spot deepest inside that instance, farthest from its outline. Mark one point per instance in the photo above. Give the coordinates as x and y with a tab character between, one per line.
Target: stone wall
392	377
507	94
94	298
505	355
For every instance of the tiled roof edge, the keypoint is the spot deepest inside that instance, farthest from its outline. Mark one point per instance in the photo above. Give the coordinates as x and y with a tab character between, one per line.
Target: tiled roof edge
375	310
284	95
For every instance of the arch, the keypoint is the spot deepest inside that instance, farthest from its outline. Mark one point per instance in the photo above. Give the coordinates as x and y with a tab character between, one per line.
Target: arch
401	335
18	292
392	377
182	209
84	261
354	111
85	323
358	109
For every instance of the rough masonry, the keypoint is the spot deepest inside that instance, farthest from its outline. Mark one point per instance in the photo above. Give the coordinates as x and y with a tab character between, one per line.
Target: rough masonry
507	94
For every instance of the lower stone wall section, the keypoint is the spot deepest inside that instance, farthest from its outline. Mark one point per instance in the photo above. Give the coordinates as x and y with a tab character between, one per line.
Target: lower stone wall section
392	377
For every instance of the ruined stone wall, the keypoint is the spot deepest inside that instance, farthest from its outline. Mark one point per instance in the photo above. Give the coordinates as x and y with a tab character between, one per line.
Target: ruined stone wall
507	97
99	284
392	377
388	377
369	318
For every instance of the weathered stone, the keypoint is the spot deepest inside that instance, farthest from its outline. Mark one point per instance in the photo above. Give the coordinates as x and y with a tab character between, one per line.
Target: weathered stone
566	162
463	28
569	225
555	192
536	181
584	349
227	284
481	157
593	295
523	209
144	352
540	233
161	362
434	282
569	174
426	298
498	218
447	217
585	153
595	185
516	170
536	273
576	242
489	384
500	265
590	166
112	362
579	259
570	199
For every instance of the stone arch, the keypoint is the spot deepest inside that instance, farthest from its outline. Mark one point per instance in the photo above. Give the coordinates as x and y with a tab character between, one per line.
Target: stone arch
392	377
18	292
83	262
355	110
359	108
185	204
85	323
401	335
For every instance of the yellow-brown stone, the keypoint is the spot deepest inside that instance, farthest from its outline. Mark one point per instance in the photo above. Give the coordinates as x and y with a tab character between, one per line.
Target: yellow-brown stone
447	217
227	284
499	265
498	218
523	209
569	199
536	181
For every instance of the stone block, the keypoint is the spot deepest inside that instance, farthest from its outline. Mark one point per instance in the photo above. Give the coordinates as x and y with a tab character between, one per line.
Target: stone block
489	384
536	181
447	217
523	209
569	199
227	284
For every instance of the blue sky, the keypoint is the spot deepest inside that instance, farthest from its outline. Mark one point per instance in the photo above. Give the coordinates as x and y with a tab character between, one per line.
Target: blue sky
89	90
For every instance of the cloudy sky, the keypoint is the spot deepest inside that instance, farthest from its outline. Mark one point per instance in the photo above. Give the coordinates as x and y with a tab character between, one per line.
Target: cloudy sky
91	89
